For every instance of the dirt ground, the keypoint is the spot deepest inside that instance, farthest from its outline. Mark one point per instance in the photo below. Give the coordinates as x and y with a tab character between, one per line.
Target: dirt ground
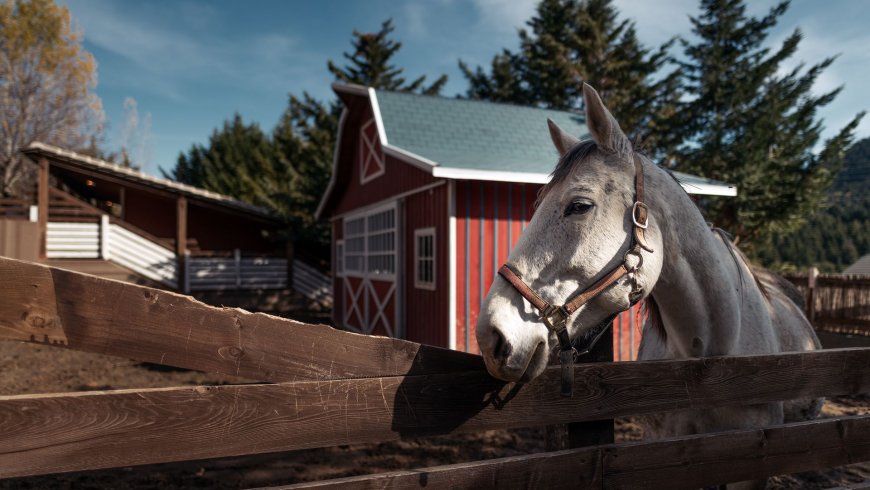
32	368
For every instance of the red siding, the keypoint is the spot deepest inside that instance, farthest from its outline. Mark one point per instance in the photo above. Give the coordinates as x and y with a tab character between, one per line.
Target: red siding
489	219
426	311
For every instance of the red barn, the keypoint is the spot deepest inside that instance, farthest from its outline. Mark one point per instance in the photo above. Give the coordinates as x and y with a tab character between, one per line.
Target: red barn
427	197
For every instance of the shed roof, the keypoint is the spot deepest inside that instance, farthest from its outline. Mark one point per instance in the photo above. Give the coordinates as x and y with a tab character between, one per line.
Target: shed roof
861	266
85	162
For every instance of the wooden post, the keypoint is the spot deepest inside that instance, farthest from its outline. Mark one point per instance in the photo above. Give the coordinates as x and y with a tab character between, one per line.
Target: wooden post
812	275
237	255
597	431
105	246
42	204
566	436
290	253
181	239
185	284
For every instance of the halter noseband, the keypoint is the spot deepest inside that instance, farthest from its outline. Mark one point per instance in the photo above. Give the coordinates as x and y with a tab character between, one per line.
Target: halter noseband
556	317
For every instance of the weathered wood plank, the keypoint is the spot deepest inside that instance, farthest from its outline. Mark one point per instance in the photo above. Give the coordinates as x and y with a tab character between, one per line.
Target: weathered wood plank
575	469
736	456
87	313
77	431
688	462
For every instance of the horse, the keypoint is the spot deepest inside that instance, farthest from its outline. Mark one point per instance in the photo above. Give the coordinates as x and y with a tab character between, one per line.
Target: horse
611	228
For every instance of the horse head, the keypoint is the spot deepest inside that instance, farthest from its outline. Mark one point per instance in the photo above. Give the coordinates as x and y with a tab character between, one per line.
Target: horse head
582	230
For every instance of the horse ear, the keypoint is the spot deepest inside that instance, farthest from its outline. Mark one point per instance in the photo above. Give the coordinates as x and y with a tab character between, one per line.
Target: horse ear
561	139
602	125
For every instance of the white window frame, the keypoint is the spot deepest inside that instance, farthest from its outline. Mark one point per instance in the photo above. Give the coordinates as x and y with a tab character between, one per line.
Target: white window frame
420	232
339	258
378	156
364	273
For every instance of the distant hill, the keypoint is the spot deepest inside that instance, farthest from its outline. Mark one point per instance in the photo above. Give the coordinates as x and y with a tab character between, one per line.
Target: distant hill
855	174
836	237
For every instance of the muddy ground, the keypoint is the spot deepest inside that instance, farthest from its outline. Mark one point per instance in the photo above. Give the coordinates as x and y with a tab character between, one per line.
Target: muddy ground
32	368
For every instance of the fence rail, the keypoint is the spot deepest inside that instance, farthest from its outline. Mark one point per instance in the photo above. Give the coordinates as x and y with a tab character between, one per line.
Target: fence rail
13	208
332	387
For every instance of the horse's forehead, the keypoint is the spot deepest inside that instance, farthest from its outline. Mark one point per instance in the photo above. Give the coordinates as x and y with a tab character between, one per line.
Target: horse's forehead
598	175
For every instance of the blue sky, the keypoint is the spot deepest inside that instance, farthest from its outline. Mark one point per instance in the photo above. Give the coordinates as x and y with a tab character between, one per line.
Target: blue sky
191	64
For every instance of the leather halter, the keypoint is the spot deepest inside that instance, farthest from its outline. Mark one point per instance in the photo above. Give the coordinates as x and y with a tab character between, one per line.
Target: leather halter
556	317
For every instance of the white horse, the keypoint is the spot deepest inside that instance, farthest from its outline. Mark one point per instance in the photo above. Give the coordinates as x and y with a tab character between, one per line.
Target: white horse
703	297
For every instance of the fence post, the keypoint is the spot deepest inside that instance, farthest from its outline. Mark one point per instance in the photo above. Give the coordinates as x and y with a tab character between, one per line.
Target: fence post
291	254
185	276
811	293
579	434
597	431
105	247
237	254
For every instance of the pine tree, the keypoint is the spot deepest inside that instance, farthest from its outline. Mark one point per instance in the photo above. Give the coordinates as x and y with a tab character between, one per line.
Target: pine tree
745	123
835	237
569	42
369	64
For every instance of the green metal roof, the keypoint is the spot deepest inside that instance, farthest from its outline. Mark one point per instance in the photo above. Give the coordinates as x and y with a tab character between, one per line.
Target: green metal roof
474	135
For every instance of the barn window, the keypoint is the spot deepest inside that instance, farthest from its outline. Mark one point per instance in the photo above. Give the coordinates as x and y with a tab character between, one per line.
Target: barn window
424	258
354	245
339	258
370	244
381	252
371	155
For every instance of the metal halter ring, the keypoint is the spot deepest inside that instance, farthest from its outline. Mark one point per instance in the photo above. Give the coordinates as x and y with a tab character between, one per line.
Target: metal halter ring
633	251
634	210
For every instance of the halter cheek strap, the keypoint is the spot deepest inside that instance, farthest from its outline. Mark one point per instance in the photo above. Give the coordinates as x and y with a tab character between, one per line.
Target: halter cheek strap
556	317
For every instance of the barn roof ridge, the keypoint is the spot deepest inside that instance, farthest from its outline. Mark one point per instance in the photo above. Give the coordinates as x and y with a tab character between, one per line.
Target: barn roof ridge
39	149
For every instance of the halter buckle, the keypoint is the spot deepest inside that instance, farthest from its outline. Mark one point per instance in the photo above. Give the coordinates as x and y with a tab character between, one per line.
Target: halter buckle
634	216
554	317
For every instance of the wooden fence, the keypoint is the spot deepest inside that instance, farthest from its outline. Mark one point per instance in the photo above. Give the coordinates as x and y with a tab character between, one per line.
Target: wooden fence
321	387
838	303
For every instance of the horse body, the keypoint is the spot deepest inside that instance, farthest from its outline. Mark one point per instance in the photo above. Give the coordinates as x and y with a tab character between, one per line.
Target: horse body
705	299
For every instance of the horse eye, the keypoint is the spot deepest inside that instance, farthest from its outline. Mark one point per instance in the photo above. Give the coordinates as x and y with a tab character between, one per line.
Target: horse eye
578	207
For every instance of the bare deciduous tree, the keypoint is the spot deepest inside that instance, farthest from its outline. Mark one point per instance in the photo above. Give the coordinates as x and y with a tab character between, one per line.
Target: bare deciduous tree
47	83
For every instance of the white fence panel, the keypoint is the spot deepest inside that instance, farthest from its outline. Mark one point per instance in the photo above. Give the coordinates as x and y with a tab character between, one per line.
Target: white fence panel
237	273
312	283
72	240
142	256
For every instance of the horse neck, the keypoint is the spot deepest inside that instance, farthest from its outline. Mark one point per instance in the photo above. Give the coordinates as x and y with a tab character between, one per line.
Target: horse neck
699	291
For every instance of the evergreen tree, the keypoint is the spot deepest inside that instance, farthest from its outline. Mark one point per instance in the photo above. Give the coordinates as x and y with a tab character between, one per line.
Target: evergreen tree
745	123
574	41
835	237
369	64
239	161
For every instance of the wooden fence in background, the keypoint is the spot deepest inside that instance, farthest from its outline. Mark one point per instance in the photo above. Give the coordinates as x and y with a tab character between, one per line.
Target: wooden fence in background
838	303
322	387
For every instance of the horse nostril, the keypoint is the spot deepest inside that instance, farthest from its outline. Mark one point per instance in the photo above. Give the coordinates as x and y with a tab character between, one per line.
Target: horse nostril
502	348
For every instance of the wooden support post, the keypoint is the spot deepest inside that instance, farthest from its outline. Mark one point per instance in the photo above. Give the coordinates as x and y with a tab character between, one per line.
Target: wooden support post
105	244
237	256
597	431
181	239
42	204
565	436
291	253
811	293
